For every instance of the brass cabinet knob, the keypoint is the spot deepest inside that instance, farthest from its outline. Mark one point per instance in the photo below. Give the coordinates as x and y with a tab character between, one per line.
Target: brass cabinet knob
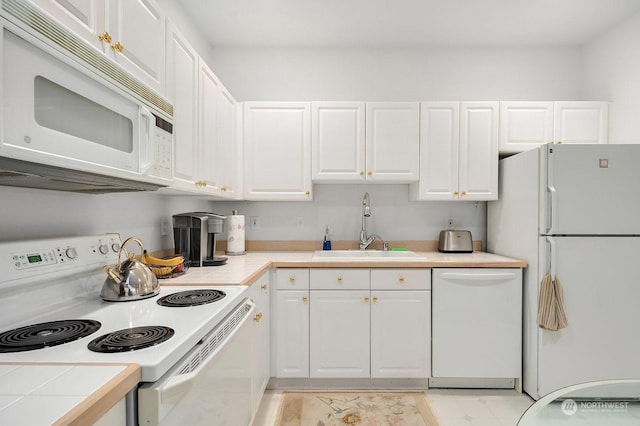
366	300
118	47
223	189
456	193
258	317
401	280
559	142
263	286
361	172
340	280
369	173
305	298
375	300
105	36
292	279
463	193
307	193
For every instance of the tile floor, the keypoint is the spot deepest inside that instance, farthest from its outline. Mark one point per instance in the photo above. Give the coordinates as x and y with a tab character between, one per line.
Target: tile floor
452	407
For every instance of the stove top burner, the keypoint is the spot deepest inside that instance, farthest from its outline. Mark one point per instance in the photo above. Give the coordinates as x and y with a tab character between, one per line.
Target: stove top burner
191	298
42	335
131	339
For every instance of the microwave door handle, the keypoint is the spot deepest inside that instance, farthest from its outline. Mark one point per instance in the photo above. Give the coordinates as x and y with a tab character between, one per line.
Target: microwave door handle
147	150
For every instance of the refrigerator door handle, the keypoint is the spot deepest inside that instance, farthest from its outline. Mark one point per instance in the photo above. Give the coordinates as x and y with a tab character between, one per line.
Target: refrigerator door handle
552	257
553	198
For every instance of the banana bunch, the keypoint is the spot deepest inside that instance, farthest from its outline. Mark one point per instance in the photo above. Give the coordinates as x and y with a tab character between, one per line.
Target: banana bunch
163	267
147	259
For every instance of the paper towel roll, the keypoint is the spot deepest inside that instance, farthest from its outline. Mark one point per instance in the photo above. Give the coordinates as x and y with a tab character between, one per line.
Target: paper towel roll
235	235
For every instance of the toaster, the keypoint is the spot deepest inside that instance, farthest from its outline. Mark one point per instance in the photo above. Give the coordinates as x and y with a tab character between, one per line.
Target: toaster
452	241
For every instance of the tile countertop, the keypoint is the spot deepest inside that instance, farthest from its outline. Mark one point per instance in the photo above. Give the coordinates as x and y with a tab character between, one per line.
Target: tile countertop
245	269
62	394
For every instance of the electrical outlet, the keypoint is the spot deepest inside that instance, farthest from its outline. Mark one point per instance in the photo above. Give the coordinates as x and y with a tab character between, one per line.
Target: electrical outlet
450	223
165	226
300	222
255	222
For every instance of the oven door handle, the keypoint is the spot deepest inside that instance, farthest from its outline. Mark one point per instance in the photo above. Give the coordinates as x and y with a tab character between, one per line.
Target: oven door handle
177	386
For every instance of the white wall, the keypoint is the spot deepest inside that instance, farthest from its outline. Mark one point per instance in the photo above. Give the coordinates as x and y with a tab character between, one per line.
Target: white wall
393	217
291	74
611	70
34	213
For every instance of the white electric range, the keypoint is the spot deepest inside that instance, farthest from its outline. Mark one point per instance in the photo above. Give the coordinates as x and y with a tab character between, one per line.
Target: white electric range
50	289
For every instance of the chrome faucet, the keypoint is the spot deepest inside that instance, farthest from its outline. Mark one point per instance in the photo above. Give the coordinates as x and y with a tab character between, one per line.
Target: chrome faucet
365	241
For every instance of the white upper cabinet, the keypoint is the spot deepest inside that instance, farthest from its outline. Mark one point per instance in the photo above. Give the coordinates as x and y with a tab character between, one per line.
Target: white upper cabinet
526	125
458	151
393	141
338	141
277	151
365	142
204	117
137	29
478	155
130	32
182	87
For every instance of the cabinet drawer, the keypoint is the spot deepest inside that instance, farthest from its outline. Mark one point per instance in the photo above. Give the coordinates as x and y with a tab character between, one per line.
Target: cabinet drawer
292	279
339	279
401	279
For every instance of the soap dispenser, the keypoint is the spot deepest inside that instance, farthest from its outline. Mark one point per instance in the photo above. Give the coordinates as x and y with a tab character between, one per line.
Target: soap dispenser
326	243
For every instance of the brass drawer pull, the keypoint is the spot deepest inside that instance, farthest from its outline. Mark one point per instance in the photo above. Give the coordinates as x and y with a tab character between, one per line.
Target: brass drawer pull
401	280
263	286
292	279
366	300
305	299
258	317
340	280
375	300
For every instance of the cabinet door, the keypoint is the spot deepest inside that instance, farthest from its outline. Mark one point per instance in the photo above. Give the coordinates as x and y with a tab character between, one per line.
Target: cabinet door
525	125
277	149
182	79
439	141
139	27
478	157
580	122
400	334
477	323
393	142
227	146
338	141
339	329
86	18
259	292
292	334
208	137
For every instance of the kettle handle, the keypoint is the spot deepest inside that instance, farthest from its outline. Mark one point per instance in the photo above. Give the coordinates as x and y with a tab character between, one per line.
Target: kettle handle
127	241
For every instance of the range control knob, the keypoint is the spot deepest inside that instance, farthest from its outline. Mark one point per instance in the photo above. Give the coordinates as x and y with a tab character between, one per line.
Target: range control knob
71	253
103	249
115	247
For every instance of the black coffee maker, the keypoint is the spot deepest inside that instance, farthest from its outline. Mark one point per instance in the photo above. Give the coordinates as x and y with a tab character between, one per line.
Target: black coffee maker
194	236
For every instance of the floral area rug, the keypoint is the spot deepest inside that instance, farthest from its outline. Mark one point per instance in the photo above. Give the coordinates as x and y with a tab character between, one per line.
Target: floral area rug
355	408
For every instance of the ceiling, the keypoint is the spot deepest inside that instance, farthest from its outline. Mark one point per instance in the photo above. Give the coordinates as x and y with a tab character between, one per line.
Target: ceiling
410	23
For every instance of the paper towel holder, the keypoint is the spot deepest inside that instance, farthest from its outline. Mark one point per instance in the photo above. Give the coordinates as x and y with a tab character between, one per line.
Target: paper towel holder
235	235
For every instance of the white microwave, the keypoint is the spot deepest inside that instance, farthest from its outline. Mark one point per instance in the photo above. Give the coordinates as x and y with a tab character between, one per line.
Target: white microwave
68	123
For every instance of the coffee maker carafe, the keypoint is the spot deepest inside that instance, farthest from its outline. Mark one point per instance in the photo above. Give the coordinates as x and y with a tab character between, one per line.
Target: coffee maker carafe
194	236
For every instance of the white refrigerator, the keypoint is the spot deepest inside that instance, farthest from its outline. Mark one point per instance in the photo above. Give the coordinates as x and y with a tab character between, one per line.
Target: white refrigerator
574	211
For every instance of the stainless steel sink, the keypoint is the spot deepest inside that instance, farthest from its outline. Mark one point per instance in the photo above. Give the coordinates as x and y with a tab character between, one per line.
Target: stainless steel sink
365	255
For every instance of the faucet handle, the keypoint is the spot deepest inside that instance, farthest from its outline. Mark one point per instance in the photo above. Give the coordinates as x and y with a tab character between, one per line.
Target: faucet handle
385	246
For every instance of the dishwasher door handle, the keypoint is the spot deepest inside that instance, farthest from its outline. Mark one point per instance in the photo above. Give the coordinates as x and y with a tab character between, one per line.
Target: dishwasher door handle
462	276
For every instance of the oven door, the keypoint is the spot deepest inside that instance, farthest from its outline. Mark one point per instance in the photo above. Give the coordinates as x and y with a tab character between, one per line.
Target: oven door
55	114
211	384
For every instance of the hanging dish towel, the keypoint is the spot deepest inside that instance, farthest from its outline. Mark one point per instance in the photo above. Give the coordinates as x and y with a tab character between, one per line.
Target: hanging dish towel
551	314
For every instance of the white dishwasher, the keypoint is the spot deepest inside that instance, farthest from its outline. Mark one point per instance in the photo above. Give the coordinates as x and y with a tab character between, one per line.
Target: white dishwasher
477	323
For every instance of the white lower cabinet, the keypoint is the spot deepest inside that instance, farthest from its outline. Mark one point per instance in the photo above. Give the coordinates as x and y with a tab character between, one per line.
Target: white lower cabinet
259	293
339	333
400	334
291	323
361	323
477	323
